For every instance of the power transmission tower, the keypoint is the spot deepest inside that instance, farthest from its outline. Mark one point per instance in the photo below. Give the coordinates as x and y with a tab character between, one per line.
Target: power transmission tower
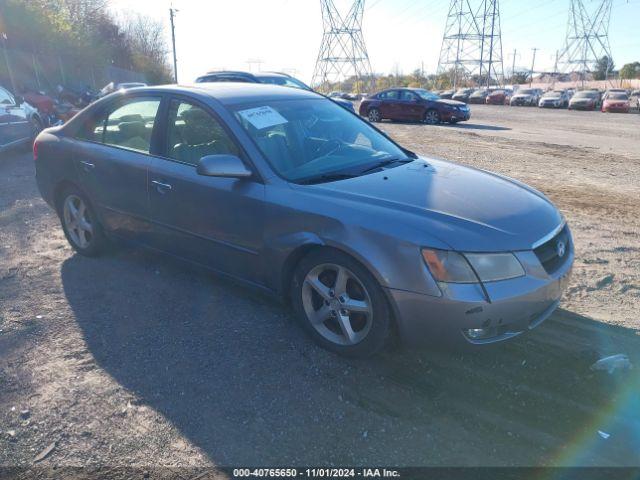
472	43
587	38
343	52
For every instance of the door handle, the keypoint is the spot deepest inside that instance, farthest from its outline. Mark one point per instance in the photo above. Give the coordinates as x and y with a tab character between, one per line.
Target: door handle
161	187
87	166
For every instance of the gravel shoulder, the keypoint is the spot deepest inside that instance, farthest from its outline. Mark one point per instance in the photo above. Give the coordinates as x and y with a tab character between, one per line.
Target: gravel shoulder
138	360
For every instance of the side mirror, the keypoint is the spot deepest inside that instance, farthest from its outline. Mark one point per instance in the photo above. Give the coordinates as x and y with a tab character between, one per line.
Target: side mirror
19	100
227	166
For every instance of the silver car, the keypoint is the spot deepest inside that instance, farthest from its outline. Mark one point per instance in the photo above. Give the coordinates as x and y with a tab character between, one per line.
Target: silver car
284	190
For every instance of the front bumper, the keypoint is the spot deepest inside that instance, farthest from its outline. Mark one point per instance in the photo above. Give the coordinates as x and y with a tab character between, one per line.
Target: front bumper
455	115
516	306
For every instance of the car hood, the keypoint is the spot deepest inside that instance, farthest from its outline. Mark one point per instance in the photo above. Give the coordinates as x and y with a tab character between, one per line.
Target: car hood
465	208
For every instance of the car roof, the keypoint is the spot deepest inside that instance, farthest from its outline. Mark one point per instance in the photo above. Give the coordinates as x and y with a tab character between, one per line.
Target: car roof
230	93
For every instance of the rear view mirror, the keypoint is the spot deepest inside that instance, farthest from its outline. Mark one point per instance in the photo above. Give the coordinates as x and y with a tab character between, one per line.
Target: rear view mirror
227	166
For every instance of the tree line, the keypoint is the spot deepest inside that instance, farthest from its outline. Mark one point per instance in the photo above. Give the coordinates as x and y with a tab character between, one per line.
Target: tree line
85	31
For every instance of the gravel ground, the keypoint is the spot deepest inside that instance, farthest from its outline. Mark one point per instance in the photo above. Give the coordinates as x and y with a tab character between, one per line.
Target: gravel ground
138	360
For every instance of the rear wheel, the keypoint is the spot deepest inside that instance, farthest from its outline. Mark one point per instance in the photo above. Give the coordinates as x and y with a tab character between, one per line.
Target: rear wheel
80	224
374	115
432	117
341	304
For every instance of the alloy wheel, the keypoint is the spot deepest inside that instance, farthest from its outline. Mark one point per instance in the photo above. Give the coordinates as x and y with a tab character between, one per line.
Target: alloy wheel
432	117
77	221
337	304
374	115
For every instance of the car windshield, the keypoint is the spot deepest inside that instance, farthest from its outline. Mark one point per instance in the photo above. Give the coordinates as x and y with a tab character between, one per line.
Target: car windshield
284	81
586	95
552	94
426	94
315	140
479	93
526	91
618	96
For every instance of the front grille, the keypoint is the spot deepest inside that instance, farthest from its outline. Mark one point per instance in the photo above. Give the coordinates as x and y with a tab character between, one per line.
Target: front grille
547	253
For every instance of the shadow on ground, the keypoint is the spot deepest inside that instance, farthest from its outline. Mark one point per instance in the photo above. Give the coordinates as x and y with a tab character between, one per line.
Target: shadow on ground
232	371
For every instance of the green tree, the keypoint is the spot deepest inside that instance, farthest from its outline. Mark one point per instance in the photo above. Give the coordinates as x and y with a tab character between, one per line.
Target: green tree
630	70
603	67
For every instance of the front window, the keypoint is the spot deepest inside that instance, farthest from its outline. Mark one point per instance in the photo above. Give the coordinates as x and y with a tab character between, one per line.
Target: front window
192	133
426	94
315	140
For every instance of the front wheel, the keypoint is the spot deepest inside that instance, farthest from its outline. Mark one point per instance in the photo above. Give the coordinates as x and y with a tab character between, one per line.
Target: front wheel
432	117
340	304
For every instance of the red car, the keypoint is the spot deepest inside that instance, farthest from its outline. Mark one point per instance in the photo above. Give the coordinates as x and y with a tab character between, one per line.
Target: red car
499	97
414	104
616	103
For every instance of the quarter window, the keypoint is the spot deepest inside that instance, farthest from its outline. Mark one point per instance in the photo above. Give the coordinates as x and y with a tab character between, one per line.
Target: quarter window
192	133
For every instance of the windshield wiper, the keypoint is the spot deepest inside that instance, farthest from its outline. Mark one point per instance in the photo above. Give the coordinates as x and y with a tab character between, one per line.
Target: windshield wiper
386	163
327	177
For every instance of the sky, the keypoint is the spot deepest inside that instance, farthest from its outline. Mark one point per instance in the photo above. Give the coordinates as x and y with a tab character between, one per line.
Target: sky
401	35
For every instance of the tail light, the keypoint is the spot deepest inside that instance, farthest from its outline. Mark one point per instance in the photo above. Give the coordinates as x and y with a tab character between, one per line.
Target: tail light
35	150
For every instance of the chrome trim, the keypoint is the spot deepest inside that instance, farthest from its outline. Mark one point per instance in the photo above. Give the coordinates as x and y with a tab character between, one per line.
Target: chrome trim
549	236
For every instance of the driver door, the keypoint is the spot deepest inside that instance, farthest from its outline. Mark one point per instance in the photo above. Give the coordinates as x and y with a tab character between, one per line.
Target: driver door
217	222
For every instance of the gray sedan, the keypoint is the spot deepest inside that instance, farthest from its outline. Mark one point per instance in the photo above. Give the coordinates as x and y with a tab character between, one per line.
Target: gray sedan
287	192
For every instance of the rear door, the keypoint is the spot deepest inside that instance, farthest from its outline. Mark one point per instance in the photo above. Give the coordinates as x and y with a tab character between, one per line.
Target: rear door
217	222
112	155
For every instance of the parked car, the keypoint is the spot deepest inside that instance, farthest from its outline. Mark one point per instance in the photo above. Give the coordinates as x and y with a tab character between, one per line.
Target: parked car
286	191
273	78
585	100
526	97
554	99
19	121
500	96
462	95
447	94
479	96
616	102
635	99
614	90
413	104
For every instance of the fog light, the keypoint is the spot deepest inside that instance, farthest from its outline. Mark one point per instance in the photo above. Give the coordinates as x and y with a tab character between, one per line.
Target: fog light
476	333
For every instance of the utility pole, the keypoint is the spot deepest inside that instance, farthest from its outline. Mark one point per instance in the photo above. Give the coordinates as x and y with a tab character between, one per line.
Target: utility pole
555	69
533	66
513	68
172	12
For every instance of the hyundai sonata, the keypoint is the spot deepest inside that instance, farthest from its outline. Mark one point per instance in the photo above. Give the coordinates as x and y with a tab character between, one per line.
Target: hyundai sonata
284	190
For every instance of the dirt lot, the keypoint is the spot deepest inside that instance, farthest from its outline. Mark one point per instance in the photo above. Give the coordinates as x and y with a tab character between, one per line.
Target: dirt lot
136	359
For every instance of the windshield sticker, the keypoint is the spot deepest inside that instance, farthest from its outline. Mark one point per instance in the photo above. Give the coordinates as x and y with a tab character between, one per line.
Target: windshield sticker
262	117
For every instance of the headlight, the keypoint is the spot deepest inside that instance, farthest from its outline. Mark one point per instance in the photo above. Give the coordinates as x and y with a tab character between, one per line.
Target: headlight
452	267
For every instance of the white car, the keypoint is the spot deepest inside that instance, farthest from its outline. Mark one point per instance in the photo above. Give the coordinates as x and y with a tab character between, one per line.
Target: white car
19	121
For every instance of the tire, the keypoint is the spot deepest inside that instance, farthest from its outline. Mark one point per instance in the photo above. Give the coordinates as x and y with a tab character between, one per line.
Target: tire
374	115
432	117
321	303
82	229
